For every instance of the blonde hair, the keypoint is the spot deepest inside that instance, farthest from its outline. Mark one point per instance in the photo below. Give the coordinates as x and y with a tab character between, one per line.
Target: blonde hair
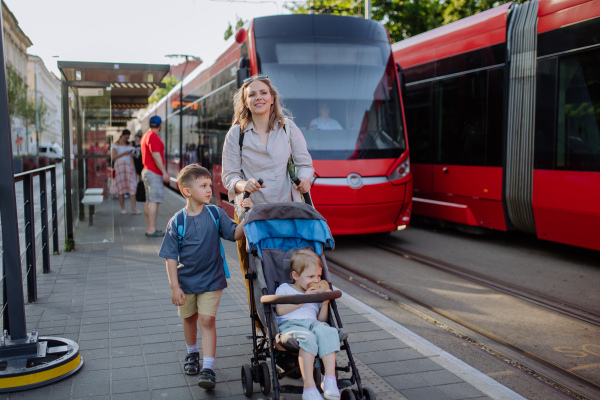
304	259
243	116
189	174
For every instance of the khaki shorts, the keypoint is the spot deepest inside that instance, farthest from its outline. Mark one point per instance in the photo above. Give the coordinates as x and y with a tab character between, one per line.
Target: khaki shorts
203	304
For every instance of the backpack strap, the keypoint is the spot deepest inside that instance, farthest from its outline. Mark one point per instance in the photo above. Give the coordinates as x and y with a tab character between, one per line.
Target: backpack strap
216	216
180	225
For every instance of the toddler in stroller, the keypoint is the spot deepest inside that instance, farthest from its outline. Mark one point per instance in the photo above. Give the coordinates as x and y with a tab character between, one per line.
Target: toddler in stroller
280	236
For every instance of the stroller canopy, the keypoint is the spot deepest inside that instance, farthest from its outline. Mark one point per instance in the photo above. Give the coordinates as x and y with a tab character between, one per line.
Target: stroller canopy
286	226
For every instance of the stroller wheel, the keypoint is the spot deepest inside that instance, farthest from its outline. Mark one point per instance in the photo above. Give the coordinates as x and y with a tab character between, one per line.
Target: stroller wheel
265	378
348	394
247	383
368	394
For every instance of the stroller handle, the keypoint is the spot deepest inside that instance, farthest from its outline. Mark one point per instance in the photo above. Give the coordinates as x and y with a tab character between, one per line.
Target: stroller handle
300	298
306	196
246	194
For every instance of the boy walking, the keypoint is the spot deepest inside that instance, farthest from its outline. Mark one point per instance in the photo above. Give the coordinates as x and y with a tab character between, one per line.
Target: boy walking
195	267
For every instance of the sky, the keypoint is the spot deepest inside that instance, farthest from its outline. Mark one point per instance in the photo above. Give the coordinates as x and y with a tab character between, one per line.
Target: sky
131	31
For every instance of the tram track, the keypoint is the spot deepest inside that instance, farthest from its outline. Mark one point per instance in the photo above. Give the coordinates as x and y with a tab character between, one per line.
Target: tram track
540	299
558	378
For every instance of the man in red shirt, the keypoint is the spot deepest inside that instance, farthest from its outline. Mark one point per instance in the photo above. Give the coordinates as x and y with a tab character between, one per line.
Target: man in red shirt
153	174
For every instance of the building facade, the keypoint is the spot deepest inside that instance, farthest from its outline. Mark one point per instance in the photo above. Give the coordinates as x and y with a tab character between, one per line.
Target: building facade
44	85
15	54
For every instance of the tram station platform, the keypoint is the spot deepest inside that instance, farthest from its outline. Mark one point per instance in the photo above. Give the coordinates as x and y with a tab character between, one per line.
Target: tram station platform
114	300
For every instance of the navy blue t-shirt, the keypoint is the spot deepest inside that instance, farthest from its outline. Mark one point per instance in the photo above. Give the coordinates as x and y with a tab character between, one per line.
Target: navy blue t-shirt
200	253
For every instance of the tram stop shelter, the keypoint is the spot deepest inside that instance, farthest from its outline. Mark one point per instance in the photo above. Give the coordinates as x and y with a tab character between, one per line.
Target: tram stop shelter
98	100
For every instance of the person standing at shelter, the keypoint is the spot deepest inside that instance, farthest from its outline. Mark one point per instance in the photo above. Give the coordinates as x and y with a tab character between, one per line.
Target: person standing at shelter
125	180
137	154
262	153
153	174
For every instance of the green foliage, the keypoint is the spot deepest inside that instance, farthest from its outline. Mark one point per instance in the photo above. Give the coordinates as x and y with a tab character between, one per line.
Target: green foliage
230	31
22	106
170	82
17	94
402	18
336	7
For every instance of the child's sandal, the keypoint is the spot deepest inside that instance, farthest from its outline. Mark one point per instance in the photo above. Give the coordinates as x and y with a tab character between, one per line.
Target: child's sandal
207	379
191	366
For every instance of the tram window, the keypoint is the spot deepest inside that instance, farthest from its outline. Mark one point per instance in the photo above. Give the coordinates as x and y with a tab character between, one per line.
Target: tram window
417	108
578	125
355	79
495	121
461	120
545	114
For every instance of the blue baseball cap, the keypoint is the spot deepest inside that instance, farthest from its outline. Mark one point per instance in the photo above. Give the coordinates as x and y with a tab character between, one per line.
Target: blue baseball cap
155	121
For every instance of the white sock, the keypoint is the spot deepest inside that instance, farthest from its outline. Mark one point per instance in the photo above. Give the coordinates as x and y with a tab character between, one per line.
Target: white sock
192	348
208	363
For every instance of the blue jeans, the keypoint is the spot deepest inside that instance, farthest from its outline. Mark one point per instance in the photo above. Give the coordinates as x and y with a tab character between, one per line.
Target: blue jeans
313	336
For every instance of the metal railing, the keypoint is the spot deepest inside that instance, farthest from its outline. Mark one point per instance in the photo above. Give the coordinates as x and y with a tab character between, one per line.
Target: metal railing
48	231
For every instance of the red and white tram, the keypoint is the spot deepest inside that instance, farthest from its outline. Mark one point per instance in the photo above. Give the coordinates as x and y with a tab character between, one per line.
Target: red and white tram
503	118
321	64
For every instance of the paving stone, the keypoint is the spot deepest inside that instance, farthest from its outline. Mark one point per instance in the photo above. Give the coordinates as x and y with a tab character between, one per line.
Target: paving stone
90	389
442	377
161	358
119	374
428	393
130	385
172	368
460	391
405	354
408	381
175	394
390	368
389	344
126	351
421	365
126	341
168	381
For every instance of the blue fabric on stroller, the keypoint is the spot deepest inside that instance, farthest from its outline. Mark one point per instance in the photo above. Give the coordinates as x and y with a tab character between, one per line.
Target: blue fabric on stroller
274	232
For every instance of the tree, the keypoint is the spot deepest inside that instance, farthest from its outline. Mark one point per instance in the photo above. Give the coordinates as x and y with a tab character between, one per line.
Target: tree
170	82
229	32
402	18
336	7
17	94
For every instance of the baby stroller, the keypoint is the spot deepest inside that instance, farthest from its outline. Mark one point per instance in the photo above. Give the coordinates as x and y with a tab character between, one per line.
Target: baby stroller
274	232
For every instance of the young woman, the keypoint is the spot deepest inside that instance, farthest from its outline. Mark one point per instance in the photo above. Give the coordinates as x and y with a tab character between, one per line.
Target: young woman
259	116
125	179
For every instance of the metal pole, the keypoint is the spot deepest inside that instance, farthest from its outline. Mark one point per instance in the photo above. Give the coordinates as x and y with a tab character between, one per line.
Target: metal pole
29	237
14	303
37	115
67	167
181	116
44	221
367	9
55	248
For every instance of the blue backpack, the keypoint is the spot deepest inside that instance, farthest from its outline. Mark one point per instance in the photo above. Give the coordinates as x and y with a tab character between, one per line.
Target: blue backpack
180	225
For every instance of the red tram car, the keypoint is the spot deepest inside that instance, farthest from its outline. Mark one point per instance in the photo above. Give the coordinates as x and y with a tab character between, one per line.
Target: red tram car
503	117
363	182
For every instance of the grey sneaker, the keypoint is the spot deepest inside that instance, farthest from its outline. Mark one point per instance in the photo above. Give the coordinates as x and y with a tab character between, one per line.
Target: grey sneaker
207	379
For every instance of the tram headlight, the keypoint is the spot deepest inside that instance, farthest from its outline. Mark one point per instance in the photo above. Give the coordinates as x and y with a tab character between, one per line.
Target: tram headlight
401	171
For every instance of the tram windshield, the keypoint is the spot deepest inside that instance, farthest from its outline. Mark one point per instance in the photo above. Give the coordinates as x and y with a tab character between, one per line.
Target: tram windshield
342	93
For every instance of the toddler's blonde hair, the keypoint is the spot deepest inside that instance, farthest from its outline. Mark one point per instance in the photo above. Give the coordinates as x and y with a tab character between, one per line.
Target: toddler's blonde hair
304	259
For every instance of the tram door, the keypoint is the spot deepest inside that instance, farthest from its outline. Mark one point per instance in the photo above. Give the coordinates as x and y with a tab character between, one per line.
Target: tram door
468	147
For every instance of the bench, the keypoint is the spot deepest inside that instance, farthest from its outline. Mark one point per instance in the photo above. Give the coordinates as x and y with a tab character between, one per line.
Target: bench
91	200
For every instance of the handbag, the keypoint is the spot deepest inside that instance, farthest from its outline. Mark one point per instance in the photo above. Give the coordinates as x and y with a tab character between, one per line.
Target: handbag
140	193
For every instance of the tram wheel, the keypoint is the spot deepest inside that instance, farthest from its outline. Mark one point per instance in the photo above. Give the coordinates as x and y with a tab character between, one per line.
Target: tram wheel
58	360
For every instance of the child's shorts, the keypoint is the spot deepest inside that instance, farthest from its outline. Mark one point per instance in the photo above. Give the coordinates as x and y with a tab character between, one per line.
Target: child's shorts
204	304
313	336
